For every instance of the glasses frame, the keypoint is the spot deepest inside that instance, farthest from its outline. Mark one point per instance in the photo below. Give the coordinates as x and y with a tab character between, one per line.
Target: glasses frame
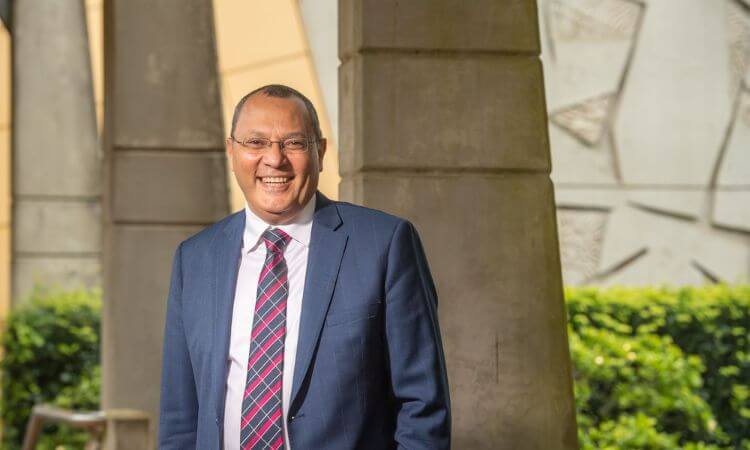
282	147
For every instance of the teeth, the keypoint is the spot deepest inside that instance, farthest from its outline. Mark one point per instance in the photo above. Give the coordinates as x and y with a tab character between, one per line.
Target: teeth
275	179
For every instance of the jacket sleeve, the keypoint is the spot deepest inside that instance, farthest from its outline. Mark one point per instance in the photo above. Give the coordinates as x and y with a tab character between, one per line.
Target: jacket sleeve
178	411
417	366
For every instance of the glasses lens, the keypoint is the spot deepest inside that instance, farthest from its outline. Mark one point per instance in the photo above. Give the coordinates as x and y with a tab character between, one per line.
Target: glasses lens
295	144
256	143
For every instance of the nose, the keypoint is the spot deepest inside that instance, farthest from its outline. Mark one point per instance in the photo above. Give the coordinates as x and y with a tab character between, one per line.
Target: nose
274	156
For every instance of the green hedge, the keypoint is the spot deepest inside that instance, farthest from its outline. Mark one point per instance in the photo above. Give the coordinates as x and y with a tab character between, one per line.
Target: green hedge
50	355
661	368
654	368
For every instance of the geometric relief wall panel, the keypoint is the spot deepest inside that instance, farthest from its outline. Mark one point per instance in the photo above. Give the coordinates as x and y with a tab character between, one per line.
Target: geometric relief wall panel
583	233
679	98
738	37
732	194
649	120
732	191
588	48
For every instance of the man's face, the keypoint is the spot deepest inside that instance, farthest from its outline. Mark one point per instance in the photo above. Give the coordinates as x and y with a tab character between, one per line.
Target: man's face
276	184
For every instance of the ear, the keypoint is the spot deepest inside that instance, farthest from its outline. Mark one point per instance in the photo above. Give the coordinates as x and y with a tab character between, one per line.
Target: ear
322	146
229	149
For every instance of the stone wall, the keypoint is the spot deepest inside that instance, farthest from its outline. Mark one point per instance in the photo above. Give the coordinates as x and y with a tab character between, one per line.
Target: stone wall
649	107
446	126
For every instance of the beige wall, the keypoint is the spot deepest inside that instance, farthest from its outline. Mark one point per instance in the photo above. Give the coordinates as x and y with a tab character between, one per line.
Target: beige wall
4	172
259	42
94	19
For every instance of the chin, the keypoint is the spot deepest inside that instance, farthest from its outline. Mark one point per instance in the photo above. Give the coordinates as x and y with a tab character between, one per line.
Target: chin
279	212
277	207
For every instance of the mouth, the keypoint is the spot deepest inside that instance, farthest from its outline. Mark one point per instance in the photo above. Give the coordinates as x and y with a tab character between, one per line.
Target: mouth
275	181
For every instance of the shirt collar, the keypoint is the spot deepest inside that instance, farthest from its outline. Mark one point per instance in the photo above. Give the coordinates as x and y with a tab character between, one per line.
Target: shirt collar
299	229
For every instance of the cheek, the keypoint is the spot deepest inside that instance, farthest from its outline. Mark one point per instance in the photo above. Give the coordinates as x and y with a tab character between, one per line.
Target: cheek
305	170
245	166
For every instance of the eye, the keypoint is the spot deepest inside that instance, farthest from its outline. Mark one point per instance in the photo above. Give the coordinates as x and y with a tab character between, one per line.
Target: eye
295	144
255	143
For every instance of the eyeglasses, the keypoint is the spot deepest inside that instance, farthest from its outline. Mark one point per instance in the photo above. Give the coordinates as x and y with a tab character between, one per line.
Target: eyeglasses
258	145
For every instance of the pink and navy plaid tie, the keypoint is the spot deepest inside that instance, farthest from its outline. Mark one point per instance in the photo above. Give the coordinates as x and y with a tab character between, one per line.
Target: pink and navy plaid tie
262	418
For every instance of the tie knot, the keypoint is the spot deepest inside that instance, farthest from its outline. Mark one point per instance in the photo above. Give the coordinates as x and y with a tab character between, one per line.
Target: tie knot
275	239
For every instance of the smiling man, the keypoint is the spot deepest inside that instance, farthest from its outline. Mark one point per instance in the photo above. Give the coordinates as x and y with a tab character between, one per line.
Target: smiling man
300	323
276	152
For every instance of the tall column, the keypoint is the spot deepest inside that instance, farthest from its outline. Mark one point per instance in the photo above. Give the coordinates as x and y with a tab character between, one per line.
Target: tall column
56	159
442	120
165	175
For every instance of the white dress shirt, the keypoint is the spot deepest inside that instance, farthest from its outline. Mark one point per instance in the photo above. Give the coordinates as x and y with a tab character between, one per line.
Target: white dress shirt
253	259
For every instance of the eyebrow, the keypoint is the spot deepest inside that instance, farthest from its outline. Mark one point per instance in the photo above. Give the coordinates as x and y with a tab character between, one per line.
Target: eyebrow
257	133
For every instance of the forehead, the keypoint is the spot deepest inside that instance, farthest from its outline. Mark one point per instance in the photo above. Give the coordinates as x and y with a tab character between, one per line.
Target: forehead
263	111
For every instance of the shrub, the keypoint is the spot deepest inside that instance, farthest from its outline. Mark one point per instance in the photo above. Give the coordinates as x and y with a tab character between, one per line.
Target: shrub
661	368
50	355
654	368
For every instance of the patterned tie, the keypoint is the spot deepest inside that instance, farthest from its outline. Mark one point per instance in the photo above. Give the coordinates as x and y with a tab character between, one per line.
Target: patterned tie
261	424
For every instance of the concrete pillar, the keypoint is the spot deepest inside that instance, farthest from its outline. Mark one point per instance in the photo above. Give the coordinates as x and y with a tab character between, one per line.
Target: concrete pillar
165	176
5	12
129	430
442	120
56	159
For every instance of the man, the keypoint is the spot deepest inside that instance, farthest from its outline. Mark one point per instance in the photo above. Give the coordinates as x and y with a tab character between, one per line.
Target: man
300	322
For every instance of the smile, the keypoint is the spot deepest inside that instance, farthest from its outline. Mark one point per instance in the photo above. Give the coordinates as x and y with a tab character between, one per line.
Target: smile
275	180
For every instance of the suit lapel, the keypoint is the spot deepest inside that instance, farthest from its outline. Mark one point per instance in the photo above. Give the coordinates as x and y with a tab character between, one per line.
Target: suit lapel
226	258
323	262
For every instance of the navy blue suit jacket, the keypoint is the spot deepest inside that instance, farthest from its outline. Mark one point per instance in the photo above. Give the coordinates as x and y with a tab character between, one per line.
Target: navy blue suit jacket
369	371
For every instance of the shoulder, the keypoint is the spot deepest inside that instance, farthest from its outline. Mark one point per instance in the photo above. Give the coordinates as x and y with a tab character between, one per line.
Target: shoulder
372	228
203	239
357	217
